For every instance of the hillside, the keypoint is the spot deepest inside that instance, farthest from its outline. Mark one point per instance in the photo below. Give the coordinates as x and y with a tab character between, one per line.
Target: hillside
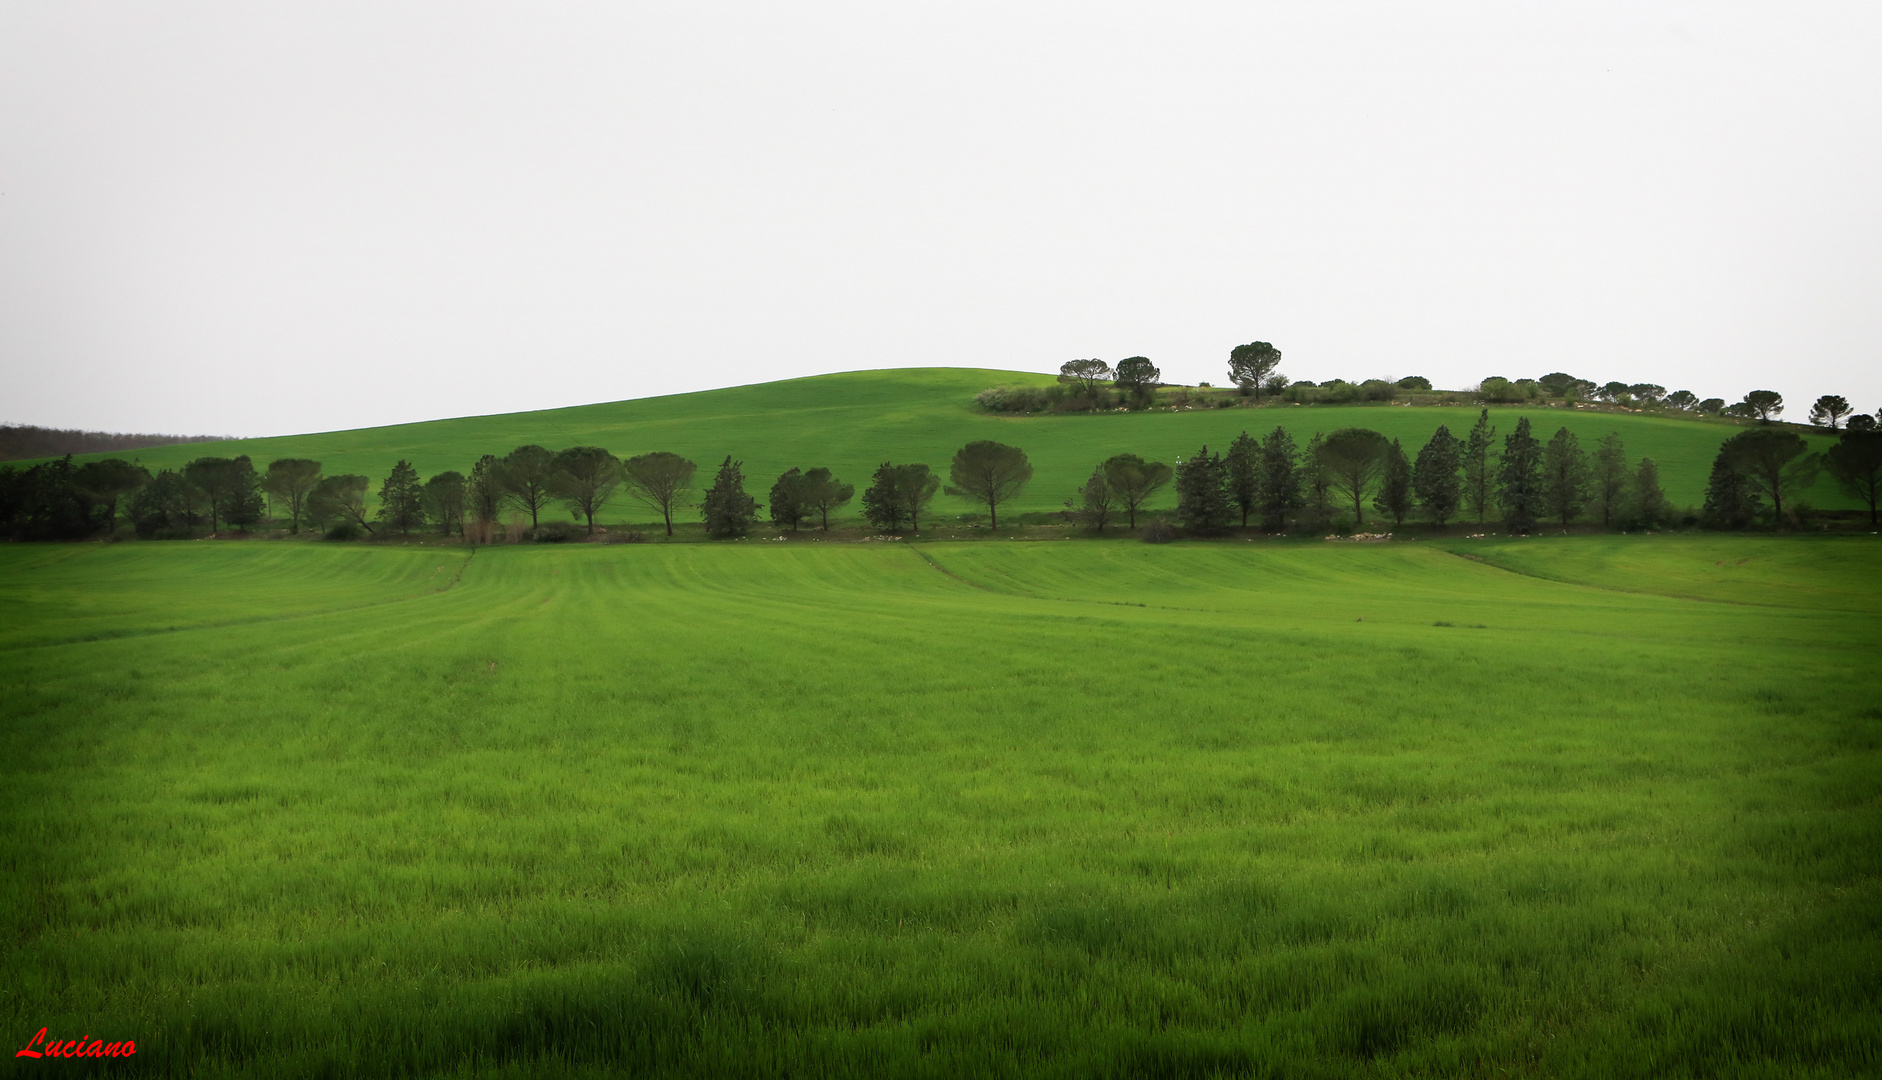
853	421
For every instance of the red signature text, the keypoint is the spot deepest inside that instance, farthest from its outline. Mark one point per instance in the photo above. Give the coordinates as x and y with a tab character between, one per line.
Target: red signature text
37	1046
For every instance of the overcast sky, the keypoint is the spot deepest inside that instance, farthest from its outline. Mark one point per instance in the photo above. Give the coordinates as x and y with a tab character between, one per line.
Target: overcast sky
264	218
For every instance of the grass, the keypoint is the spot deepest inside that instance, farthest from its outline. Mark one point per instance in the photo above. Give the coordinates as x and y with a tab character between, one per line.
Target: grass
1059	809
854	421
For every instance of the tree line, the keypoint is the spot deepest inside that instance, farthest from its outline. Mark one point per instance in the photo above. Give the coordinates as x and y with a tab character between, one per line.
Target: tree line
1518	482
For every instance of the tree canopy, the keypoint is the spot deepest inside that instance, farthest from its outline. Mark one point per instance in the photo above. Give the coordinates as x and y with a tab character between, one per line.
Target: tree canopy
1355	459
989	473
659	479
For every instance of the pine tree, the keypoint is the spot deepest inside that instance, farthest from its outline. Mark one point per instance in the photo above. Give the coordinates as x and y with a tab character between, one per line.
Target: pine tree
1434	477
727	509
1243	474
1564	476
1096	504
787	500
881	506
1479	471
1731	499
1648	507
1278	480
1607	486
1316	484
402	499
1202	499
1519	478
1394	496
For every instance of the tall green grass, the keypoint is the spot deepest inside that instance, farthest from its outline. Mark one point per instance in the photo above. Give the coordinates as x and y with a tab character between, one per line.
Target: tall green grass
854	421
964	809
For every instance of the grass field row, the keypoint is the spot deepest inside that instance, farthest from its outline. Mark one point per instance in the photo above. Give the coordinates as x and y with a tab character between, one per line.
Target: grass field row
1567	807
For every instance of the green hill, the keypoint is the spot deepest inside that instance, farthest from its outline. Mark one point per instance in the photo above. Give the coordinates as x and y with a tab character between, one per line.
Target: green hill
853	421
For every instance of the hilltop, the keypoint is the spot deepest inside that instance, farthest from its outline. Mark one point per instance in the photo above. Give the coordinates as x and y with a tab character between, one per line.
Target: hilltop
853	421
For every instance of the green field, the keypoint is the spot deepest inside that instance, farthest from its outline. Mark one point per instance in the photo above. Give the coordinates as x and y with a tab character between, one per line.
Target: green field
852	422
1586	806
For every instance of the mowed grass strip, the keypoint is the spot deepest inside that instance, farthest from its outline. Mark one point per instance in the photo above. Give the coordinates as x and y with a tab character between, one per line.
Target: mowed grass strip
1006	809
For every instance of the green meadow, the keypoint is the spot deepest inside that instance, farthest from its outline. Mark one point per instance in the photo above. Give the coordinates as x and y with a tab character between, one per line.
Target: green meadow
1574	806
852	422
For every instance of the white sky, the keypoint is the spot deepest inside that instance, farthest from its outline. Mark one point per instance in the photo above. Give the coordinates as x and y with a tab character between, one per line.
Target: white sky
261	218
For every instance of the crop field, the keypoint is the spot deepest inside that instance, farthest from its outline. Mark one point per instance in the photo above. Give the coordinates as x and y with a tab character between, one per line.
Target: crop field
852	422
1579	806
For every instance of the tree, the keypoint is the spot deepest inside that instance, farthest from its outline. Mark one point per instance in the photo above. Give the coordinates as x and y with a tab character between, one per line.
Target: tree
1413	382
1315	483
486	492
822	493
1607	480
1354	459
1251	365
1711	406
1861	422
1778	463
1087	374
1683	400
1519	478
1277	481
1647	391
1138	376
1564	477
1829	409
1096	502
1243	476
1856	463
445	501
104	484
1395	497
787	500
1434	475
915	486
1479	470
727	510
339	498
1202	500
898	493
169	503
1135	481
231	488
659	479
1613	391
402	499
584	478
528	476
290	479
1731	497
1647	507
881	506
989	473
1764	404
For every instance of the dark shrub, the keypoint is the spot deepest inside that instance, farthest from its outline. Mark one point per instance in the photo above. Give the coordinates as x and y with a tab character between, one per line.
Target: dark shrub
554	532
1414	382
345	530
1159	531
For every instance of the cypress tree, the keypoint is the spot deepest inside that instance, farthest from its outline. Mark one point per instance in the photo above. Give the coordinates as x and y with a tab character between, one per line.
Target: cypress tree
1648	506
1607	488
1434	477
727	509
1519	478
1479	471
1243	474
1202	499
1278	489
1395	496
1316	484
881	506
1564	476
